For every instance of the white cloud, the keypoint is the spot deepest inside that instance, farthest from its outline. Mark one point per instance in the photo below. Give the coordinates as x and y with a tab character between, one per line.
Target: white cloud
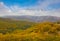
45	3
34	11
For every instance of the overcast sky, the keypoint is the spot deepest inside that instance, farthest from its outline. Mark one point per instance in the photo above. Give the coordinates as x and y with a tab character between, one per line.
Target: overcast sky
30	7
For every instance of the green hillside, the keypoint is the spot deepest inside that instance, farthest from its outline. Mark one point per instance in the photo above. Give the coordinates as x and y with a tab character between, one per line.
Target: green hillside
8	25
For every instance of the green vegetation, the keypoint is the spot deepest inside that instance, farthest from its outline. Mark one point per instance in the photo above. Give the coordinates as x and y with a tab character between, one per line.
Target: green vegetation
12	30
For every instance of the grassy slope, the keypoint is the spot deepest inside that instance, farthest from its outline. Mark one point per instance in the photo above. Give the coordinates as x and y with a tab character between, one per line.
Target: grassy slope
8	25
11	30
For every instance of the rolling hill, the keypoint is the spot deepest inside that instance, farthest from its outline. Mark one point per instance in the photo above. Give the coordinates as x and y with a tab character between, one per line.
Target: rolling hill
9	26
25	28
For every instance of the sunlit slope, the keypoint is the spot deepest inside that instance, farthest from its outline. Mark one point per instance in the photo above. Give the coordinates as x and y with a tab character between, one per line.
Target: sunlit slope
14	30
43	27
45	31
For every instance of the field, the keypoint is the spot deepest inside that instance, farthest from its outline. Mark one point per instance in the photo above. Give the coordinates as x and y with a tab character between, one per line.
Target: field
12	30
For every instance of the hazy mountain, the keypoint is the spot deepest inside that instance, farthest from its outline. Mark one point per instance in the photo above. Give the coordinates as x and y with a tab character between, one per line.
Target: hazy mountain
35	18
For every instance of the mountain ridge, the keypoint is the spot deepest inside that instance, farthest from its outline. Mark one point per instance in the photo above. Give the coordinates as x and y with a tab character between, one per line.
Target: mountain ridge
34	18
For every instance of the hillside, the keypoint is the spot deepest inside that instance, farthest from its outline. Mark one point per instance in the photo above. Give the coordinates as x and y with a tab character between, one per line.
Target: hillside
14	30
9	25
45	31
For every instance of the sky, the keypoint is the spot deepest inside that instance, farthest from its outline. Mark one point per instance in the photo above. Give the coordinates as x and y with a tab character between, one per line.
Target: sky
30	7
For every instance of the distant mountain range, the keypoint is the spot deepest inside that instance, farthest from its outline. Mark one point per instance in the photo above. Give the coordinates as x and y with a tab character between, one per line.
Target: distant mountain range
34	18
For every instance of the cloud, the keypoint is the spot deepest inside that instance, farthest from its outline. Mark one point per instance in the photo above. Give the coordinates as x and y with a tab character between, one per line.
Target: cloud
15	10
38	10
46	3
4	10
